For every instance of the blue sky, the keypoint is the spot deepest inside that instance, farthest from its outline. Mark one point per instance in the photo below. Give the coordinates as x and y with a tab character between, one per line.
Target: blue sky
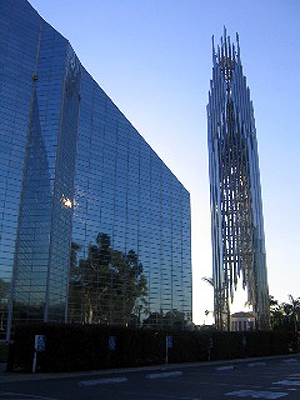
153	58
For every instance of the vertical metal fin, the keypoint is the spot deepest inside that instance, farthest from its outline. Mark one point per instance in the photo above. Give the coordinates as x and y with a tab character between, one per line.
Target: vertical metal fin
236	205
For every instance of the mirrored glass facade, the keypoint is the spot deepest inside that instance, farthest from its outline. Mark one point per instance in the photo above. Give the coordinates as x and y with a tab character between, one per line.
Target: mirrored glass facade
236	206
94	227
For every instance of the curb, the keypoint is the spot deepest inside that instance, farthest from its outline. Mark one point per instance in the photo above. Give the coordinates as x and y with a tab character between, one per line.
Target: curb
7	377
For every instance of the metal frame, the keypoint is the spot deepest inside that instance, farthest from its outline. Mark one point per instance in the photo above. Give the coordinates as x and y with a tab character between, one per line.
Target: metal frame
236	207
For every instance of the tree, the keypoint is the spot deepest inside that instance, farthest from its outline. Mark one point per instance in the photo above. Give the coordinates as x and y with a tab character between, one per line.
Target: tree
285	316
276	314
292	309
155	320
75	286
209	280
107	284
174	319
4	294
221	309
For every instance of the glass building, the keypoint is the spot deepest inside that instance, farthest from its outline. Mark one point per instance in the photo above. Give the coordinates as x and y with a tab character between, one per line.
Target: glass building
236	206
94	227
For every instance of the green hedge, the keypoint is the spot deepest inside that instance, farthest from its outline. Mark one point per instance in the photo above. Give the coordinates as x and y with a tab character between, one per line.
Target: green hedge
3	352
86	347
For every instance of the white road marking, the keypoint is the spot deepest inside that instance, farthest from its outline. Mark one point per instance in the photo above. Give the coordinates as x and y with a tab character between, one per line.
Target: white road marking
15	396
257	364
257	394
225	368
294	376
290	360
95	382
164	375
287	383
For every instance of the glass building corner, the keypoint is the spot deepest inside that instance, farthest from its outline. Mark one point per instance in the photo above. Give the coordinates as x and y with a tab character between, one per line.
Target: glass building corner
94	227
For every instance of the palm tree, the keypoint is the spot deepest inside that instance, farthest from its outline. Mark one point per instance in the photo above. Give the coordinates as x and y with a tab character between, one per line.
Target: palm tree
277	313
209	280
220	306
273	302
292	309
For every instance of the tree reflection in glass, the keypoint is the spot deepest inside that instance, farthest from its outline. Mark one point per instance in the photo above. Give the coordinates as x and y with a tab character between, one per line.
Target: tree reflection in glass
105	287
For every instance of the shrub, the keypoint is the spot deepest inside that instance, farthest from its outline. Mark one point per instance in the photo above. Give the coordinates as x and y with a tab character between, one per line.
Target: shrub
72	347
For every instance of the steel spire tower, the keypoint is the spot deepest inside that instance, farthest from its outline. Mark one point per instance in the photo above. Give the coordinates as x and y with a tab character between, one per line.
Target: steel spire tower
236	207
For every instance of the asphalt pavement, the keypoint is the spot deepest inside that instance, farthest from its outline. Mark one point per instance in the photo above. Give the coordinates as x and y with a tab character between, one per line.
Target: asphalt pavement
19	377
256	378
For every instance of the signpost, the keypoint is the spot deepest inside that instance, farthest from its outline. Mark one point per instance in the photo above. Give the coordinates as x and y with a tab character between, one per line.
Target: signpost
112	343
39	345
210	349
169	345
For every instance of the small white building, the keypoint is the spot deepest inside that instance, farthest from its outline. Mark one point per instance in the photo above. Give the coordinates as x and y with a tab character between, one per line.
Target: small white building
242	321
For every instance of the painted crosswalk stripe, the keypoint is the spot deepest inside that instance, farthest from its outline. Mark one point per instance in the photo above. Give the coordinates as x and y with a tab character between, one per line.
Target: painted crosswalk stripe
257	364
164	375
287	382
22	396
225	368
95	382
257	394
